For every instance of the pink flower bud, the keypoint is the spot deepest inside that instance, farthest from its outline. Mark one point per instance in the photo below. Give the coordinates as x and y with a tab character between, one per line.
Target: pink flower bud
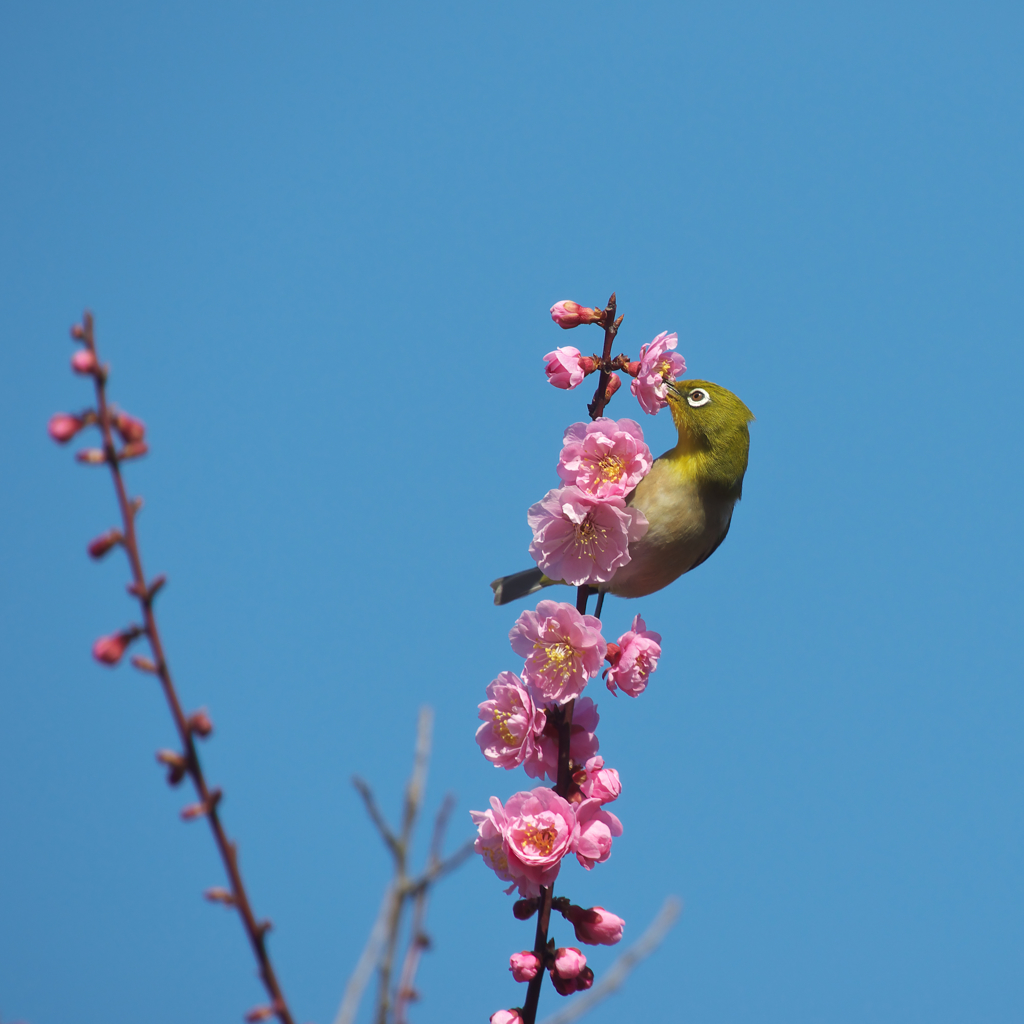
102	544
596	926
133	450
219	895
78	332
600	783
571	314
83	361
258	1013
506	1017
129	427
569	961
614	383
63	426
200	724
144	664
564	367
524	966
92	456
109	650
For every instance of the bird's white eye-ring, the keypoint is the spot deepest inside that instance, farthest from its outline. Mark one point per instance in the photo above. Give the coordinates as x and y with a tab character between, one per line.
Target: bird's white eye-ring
698	397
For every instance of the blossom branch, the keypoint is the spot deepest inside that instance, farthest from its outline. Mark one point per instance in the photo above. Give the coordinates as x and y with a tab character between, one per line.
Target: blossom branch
111	649
563	717
624	966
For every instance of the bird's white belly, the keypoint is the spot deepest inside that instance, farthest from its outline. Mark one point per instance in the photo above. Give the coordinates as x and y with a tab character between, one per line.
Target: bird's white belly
683	529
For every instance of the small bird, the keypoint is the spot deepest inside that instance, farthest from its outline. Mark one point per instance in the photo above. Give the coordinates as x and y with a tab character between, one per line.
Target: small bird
688	496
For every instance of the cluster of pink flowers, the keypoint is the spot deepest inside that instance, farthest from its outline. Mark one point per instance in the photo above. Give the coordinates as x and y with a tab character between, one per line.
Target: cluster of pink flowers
582	530
581	535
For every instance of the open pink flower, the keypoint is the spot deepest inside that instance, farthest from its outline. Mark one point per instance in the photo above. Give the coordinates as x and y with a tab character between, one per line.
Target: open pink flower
604	458
506	1017
571	314
597	827
578	538
511	722
563	649
596	926
601	784
524	966
583	742
639	651
564	367
659	365
540	829
490	841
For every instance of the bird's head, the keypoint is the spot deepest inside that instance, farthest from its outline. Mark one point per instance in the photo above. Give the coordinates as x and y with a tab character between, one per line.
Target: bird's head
712	425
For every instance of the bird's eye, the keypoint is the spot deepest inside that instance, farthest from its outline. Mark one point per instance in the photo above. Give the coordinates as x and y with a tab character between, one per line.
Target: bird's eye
698	397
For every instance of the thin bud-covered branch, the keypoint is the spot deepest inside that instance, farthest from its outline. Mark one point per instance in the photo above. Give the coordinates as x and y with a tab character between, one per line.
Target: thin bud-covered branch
111	649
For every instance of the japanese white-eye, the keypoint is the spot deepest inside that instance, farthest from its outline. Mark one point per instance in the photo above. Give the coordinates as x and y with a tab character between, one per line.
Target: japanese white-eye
688	496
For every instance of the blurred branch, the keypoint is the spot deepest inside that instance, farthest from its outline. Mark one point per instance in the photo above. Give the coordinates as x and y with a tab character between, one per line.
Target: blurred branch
367	964
624	966
381	946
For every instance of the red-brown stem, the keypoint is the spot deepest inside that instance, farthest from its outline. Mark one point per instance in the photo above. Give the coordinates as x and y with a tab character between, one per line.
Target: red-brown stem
228	850
611	328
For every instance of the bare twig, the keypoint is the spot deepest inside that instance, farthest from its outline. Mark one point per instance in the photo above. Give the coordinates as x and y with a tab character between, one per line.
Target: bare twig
379	952
418	939
187	726
624	966
368	961
413	799
377	818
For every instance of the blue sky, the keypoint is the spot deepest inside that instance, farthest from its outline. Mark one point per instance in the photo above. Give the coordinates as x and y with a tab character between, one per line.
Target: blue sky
321	242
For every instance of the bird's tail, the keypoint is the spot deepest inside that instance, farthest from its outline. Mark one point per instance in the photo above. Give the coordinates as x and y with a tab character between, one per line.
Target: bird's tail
519	584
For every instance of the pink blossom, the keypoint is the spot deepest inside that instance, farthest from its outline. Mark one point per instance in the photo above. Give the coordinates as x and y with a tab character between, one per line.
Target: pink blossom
581	539
506	1017
63	426
568	962
490	841
83	361
511	722
539	830
601	784
604	458
571	314
639	651
563	649
524	966
597	827
596	926
659	365
583	742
